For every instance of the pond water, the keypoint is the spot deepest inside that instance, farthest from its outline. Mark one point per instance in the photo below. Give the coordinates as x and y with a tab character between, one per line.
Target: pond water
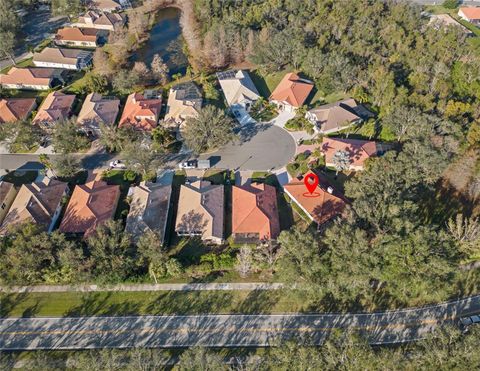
166	40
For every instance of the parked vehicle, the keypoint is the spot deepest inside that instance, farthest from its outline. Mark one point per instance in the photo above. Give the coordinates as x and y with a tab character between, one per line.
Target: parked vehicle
203	164
465	322
191	164
117	164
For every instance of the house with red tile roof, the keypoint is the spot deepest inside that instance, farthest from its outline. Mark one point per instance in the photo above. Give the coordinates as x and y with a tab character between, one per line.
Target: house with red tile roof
142	111
470	14
15	109
90	205
358	151
30	78
254	213
291	93
324	204
56	107
39	203
79	37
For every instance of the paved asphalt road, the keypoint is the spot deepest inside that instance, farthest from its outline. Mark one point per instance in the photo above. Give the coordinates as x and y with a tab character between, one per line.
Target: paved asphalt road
261	147
223	330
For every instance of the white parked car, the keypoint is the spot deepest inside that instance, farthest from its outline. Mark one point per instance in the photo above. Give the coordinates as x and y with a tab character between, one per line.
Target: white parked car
191	164
117	164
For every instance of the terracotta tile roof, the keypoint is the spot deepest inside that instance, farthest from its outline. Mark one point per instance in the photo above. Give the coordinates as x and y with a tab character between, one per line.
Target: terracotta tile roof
57	106
293	90
77	34
14	109
472	13
61	55
148	210
320	209
358	150
254	210
201	210
140	112
91	205
97	109
36	202
29	76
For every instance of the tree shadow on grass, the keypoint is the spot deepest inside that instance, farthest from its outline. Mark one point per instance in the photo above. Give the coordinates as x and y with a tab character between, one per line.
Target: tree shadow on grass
191	302
99	304
9	301
259	302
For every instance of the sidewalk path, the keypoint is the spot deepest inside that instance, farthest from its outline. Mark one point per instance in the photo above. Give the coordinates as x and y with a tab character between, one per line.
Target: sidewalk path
241	286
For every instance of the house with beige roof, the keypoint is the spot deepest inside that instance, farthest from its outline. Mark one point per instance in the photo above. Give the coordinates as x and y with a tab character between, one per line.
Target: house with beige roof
90	205
337	116
149	207
40	203
96	110
240	93
106	5
439	21
142	111
100	20
359	151
56	107
16	109
8	192
184	101
291	93
80	37
324	204
201	211
69	59
254	213
31	78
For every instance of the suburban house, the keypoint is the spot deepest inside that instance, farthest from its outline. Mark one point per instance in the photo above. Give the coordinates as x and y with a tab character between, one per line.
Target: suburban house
31	78
439	21
333	117
40	203
69	59
15	109
8	192
291	93
240	93
470	14
148	210
254	213
57	106
79	37
321	206
201	211
106	5
358	151
184	101
100	21
97	109
90	205
142	110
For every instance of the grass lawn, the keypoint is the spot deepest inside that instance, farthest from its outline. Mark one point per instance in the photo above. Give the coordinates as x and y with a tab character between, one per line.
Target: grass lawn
20	177
265	84
143	303
370	130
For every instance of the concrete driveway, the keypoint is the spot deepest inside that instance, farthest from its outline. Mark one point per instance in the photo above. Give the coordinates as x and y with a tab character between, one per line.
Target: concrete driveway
259	147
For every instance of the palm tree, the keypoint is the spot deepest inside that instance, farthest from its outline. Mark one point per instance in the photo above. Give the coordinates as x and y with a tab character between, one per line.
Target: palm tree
341	160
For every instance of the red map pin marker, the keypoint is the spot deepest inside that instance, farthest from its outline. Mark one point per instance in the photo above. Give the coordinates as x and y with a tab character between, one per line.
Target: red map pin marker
311	182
